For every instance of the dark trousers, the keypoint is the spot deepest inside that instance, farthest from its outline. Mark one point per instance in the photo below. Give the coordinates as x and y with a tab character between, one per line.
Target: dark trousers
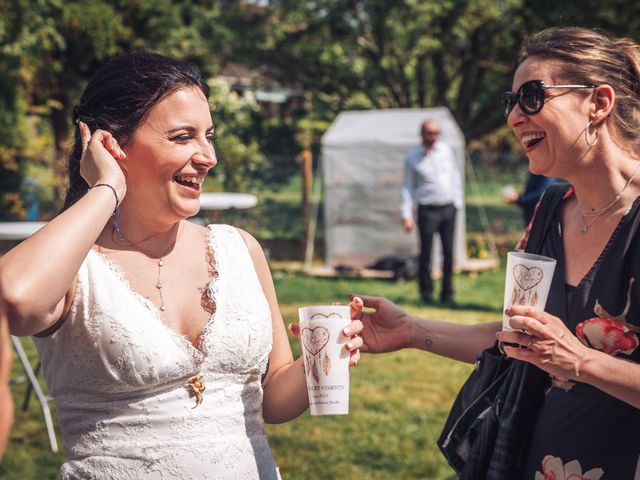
432	219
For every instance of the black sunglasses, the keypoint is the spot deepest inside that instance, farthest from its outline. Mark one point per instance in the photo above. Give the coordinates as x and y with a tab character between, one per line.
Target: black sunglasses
530	96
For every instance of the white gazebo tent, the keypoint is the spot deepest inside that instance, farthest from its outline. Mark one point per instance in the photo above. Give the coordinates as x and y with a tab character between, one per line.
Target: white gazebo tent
363	163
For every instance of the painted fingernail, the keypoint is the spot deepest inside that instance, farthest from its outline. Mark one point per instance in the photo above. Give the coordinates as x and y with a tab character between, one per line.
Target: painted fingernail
346	331
349	345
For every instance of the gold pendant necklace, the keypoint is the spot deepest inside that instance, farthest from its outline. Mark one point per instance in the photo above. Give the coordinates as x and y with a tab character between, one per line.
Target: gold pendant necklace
159	284
160	260
195	383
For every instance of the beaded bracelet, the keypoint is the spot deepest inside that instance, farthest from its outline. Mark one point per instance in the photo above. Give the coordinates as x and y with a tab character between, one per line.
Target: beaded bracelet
116	211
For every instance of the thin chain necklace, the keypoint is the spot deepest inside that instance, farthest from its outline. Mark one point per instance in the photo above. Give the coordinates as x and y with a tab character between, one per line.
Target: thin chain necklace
160	260
588	217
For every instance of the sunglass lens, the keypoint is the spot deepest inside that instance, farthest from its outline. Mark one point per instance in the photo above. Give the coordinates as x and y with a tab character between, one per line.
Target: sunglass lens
531	97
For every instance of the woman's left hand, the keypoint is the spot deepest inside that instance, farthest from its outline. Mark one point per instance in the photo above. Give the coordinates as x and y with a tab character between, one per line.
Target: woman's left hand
351	331
544	341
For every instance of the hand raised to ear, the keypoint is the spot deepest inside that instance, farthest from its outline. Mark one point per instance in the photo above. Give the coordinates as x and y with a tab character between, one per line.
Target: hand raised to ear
100	159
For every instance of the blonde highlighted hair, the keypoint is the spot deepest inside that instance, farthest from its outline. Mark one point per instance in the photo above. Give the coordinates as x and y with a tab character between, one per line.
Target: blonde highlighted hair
588	57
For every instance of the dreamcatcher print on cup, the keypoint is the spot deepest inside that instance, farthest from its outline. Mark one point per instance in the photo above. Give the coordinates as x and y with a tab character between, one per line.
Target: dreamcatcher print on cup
314	342
326	362
528	280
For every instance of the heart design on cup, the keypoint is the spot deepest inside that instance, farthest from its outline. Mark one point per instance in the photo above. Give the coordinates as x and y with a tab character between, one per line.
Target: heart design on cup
314	339
324	316
527	277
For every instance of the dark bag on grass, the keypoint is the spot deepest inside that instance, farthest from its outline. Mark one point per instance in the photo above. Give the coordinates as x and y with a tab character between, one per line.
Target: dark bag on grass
480	437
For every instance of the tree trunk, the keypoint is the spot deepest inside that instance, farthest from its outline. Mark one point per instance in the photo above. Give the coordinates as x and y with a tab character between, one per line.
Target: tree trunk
307	178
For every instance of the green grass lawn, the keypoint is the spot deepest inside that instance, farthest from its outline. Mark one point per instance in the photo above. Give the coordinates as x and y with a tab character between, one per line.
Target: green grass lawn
399	401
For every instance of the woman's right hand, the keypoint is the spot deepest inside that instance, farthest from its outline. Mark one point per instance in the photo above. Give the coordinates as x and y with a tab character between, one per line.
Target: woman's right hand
386	328
100	159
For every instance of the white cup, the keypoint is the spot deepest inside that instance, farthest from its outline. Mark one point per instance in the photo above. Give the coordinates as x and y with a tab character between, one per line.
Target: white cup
527	282
509	190
326	361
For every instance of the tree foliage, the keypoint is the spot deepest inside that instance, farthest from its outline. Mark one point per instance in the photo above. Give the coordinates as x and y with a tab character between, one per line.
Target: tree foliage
380	54
50	48
237	151
360	54
344	54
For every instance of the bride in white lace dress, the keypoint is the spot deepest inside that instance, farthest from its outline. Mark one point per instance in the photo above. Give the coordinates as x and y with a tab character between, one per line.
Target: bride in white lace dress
161	340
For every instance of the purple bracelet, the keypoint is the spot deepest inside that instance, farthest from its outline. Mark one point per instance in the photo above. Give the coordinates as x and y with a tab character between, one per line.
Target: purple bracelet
116	211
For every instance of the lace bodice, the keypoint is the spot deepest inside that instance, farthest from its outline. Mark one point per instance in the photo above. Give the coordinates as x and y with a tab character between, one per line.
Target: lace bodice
118	376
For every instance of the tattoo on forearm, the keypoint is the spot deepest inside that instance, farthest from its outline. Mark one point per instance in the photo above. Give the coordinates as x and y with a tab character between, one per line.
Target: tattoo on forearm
428	343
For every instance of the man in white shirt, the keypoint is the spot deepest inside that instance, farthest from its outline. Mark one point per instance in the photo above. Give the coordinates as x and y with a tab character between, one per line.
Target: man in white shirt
432	181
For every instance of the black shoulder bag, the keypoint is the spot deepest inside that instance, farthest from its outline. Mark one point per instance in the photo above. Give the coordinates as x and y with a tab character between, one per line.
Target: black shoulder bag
470	426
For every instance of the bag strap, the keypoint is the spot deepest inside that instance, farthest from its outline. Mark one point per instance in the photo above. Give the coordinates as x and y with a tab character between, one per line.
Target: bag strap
551	199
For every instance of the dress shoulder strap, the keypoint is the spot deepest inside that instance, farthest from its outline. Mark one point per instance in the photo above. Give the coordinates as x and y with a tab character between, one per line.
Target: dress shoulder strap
551	199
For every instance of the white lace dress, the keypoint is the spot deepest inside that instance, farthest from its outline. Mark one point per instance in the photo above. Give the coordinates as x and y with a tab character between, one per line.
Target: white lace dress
118	376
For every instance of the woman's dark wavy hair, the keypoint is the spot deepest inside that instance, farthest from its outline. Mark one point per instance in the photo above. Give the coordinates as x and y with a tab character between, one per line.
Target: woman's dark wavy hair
119	97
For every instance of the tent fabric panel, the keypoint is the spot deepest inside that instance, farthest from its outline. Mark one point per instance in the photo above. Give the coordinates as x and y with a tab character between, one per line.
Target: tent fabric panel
363	166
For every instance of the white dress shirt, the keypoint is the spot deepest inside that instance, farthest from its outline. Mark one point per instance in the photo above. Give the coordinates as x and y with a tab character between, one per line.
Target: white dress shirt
430	178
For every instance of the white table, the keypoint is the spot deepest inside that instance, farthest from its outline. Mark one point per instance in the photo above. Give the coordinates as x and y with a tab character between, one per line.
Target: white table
227	200
208	201
19	230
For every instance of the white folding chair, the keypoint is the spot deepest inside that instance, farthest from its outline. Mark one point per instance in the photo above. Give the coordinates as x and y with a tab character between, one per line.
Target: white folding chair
34	385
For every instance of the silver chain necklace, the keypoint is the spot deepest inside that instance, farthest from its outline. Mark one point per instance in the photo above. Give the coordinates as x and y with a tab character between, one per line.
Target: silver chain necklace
588	217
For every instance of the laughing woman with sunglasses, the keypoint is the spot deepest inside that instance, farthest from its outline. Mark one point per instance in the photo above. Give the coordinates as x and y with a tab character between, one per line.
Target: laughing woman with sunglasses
575	108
